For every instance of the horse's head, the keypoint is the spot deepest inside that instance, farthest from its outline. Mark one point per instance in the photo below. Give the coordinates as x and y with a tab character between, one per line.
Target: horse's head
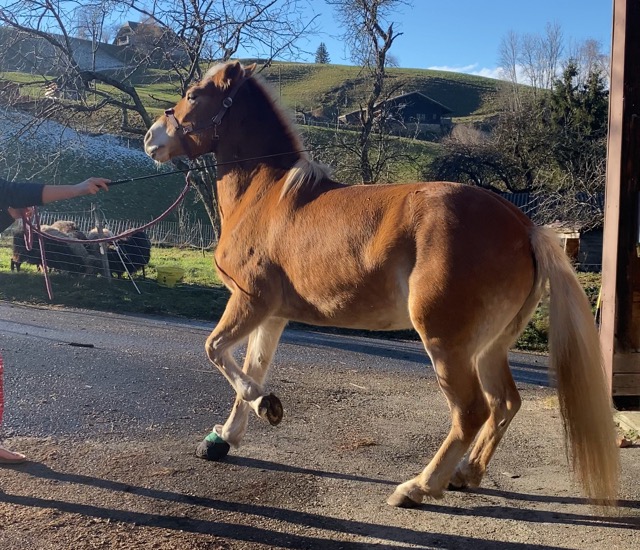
191	127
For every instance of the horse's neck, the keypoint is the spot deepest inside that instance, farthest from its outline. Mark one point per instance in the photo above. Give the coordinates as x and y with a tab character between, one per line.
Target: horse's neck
252	169
253	161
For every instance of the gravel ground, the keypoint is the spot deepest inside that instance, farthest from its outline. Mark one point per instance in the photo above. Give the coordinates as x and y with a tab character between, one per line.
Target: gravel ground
109	409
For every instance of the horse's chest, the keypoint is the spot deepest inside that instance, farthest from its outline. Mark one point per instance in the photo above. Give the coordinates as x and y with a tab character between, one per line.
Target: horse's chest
237	261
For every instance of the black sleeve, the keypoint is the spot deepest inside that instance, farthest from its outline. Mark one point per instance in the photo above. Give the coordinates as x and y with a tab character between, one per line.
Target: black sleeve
5	220
20	195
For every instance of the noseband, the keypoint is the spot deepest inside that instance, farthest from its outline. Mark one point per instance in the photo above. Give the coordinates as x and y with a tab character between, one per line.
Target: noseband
183	131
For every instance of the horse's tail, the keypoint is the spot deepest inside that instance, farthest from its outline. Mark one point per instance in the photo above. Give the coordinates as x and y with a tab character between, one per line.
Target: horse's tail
576	361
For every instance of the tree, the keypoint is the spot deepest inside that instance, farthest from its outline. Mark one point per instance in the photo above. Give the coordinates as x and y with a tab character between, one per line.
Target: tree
552	145
531	59
577	119
203	30
369	37
322	54
577	126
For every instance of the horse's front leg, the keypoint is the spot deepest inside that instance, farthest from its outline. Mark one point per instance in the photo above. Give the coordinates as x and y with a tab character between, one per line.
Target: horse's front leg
260	350
242	318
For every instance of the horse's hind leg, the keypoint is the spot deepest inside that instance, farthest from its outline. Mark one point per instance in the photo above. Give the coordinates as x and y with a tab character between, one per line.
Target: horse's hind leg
260	351
460	384
504	402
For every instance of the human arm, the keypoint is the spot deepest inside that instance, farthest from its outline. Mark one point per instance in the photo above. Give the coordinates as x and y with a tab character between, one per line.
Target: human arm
52	193
16	196
21	195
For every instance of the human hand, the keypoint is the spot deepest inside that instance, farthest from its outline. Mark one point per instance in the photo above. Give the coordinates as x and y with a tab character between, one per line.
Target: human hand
17	213
91	186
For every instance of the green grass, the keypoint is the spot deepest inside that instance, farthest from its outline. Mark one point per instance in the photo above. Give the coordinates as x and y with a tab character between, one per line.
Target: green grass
341	88
200	295
536	335
413	155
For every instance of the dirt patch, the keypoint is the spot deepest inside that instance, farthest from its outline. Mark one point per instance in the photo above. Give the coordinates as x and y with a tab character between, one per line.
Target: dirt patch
320	481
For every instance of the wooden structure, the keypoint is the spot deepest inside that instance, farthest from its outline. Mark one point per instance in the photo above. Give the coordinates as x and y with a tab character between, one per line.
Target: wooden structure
409	108
620	328
160	44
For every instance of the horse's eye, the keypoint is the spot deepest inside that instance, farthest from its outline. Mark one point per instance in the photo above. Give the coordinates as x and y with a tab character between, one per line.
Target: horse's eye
191	98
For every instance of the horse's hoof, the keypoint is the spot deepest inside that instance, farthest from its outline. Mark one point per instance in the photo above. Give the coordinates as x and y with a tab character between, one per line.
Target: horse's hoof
400	500
452	487
271	409
212	447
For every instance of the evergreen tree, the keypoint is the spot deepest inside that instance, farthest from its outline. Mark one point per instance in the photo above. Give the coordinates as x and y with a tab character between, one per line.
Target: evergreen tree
578	119
322	54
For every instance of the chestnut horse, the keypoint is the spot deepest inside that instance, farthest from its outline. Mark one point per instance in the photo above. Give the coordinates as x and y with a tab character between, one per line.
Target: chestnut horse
463	267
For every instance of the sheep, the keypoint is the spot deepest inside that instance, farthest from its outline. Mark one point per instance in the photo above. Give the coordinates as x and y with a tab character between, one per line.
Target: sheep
72	257
76	257
135	251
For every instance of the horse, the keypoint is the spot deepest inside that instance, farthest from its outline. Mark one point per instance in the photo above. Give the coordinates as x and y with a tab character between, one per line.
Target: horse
460	265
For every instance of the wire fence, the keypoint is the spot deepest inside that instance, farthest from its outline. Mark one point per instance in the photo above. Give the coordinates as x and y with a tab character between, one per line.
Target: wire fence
195	234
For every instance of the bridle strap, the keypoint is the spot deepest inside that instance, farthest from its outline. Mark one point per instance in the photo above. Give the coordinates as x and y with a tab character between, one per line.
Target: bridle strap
183	131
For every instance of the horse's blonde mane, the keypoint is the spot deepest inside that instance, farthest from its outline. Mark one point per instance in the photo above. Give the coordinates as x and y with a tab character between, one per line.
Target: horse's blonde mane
305	173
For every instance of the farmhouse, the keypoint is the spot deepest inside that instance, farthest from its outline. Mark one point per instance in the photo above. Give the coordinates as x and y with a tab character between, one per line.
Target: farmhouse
38	55
159	44
412	110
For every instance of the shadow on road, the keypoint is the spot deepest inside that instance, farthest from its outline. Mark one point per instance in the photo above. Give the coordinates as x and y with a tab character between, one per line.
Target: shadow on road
395	537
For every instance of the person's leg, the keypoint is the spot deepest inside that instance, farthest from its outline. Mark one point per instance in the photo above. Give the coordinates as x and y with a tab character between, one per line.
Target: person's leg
7	456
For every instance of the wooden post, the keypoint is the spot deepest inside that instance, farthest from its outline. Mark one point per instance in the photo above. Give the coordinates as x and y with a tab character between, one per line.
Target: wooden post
620	328
106	272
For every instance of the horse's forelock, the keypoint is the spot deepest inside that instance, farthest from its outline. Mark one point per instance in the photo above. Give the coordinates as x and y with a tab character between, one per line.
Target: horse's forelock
214	70
215	74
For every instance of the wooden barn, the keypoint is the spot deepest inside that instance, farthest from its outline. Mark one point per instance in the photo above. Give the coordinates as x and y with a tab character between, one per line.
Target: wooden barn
412	110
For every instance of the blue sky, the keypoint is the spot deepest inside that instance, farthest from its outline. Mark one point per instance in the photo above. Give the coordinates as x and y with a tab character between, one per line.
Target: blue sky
464	35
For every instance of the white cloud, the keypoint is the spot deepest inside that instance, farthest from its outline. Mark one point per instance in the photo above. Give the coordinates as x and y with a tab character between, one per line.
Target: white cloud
473	68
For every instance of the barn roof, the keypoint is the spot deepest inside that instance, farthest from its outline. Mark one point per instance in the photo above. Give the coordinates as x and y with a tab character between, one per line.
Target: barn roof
414	97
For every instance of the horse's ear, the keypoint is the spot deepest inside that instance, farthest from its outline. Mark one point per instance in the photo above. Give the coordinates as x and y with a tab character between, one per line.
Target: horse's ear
249	69
226	75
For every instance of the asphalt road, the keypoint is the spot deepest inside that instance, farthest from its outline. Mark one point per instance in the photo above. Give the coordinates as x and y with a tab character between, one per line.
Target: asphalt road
136	372
110	408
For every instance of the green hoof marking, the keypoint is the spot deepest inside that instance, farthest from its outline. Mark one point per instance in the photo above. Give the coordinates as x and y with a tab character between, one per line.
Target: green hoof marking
213	447
213	437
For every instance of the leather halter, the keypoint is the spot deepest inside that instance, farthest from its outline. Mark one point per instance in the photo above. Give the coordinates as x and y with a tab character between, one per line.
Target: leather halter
183	131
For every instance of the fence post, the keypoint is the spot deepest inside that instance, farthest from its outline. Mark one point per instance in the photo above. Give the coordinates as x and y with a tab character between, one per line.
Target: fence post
103	246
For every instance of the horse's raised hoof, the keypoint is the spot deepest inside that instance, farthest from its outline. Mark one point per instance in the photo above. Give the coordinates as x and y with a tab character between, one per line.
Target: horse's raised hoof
400	500
271	409
212	447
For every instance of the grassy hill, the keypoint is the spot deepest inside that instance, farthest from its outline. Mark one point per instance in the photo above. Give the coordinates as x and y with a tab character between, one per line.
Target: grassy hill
340	88
334	89
337	89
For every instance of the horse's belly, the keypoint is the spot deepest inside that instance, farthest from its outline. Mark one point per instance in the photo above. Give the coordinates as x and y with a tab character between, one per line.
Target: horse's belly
374	306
